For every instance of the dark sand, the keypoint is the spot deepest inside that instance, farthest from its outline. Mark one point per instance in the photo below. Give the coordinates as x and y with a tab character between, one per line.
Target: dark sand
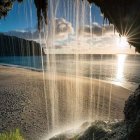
22	102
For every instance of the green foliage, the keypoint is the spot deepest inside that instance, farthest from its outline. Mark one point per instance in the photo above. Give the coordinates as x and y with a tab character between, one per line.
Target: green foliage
11	135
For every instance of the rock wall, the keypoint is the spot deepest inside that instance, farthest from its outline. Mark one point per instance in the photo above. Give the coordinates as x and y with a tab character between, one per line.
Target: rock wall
13	46
132	115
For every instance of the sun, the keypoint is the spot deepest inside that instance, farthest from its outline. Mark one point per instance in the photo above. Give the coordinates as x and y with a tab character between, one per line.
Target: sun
122	41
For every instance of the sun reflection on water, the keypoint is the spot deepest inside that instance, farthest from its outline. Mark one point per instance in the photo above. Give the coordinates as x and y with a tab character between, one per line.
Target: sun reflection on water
120	67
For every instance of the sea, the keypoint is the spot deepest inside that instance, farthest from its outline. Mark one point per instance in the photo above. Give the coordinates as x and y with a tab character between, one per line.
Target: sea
120	69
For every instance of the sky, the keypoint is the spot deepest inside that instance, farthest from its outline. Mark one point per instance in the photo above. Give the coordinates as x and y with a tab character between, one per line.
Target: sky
22	20
23	16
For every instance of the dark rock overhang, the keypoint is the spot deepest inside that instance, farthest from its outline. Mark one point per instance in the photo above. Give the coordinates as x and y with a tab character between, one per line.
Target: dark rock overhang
123	14
42	6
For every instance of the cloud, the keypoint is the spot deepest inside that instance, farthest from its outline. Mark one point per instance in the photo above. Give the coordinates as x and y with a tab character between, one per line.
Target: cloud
63	27
96	45
101	41
96	29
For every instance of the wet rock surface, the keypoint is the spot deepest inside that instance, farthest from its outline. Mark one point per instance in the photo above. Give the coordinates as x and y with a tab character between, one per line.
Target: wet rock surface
132	115
129	129
98	130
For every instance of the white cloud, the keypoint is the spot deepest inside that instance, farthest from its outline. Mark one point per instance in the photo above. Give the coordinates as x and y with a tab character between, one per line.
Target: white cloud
101	41
63	27
96	29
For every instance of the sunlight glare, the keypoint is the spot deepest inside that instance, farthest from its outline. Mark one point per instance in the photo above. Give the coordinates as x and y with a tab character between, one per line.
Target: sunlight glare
120	67
122	41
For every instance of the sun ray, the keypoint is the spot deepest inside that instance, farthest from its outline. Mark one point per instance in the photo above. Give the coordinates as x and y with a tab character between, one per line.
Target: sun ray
122	41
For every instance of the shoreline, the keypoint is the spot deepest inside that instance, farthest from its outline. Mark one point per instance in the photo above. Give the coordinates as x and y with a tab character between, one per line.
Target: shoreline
20	67
40	70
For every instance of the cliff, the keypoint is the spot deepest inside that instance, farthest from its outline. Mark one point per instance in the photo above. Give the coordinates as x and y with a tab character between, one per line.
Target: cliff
13	46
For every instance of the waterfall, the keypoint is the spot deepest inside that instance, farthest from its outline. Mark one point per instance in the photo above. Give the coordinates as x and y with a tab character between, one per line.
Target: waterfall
68	100
70	97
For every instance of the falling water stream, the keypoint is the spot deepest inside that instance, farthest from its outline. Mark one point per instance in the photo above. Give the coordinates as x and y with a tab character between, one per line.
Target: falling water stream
71	98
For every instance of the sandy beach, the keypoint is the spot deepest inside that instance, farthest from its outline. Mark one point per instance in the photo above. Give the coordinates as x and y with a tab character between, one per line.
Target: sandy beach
22	102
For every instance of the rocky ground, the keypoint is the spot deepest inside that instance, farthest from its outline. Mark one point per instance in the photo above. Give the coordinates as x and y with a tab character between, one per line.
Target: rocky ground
97	130
22	102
